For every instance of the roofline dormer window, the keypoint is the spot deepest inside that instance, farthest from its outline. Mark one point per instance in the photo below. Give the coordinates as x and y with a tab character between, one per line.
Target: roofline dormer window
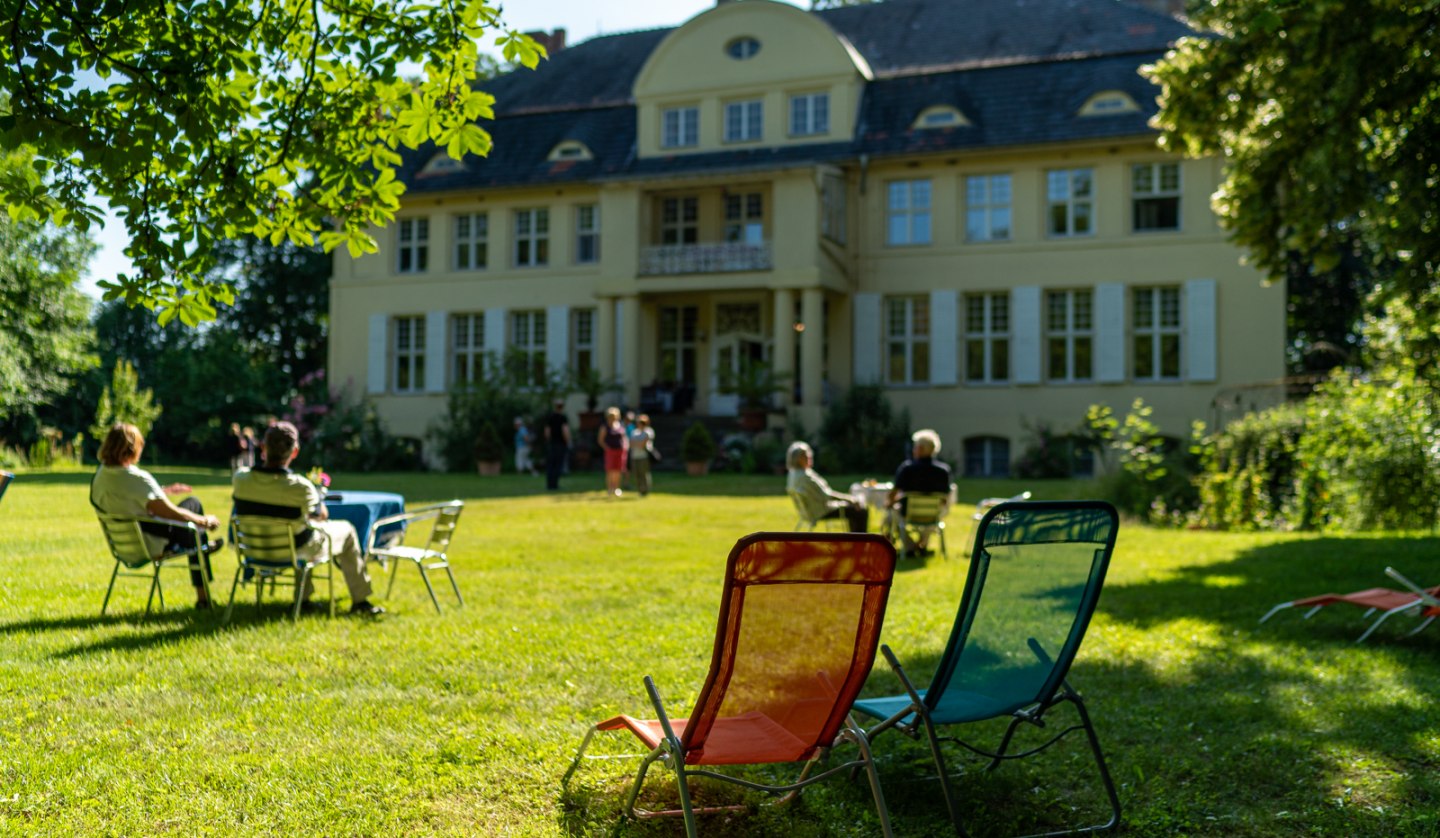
1109	102
939	116
570	150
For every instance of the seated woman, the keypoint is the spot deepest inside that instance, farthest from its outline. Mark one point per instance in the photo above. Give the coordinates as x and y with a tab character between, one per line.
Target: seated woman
122	488
819	500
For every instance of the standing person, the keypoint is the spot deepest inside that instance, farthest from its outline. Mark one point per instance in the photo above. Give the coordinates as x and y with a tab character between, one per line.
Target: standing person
235	444
920	473
642	453
258	491
616	445
523	440
625	476
251	443
557	445
819	499
120	487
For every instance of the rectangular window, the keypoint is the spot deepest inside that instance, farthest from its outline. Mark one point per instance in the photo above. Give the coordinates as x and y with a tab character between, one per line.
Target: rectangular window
907	340
532	238
680	127
527	340
987	338
679	221
745	218
409	354
678	336
472	241
1071	193
987	208
582	340
908	212
1155	320
1069	335
467	348
987	456
743	121
412	245
587	233
1155	190
809	114
832	206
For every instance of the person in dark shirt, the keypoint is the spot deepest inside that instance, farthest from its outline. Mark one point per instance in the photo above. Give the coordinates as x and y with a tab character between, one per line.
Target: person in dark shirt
557	449
920	473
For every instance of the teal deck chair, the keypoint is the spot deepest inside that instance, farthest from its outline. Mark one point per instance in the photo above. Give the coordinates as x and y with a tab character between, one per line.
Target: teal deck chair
1034	579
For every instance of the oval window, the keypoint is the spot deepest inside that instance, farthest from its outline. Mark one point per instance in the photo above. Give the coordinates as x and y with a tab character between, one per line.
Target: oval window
742	48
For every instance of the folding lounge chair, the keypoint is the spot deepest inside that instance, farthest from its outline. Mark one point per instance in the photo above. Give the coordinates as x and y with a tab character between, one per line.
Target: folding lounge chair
1034	579
1417	601
132	555
5	478
430	557
799	622
266	549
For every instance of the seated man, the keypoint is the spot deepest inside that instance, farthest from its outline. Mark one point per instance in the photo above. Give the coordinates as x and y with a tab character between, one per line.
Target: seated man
275	491
920	473
819	500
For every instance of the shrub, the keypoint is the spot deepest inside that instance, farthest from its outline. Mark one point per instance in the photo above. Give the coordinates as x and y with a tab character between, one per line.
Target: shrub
697	445
496	397
488	448
1155	474
348	435
1050	455
861	433
1252	472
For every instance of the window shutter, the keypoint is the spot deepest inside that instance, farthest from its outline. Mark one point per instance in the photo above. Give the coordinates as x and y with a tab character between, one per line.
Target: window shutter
944	345
436	342
1025	326
495	332
865	325
379	356
1200	347
1110	333
557	337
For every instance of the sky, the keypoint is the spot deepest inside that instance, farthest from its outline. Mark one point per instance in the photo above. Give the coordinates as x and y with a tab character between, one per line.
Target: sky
581	20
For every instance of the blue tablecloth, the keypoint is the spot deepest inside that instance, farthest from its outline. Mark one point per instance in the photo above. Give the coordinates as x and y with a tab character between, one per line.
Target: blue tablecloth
365	508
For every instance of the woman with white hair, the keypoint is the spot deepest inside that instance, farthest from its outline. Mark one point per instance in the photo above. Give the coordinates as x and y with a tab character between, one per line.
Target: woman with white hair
818	499
920	473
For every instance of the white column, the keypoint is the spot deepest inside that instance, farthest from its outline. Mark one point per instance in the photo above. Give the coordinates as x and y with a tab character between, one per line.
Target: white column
783	356
812	342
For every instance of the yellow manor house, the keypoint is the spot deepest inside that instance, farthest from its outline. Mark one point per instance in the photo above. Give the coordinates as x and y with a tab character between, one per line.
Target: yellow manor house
959	200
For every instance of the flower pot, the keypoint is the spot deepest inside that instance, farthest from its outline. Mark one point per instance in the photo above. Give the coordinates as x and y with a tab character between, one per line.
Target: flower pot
488	468
697	469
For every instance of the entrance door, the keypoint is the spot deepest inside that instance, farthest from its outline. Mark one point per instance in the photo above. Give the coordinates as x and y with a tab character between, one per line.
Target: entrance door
728	353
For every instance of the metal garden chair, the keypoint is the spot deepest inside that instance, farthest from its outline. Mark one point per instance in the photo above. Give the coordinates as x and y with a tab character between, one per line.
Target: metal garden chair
924	513
800	618
1416	602
132	555
433	556
267	549
806	523
1034	579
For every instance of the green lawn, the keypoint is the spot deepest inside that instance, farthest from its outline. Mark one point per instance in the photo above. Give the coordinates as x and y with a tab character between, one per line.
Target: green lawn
463	723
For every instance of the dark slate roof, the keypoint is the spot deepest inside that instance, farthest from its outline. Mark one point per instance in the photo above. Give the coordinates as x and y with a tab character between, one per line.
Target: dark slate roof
596	73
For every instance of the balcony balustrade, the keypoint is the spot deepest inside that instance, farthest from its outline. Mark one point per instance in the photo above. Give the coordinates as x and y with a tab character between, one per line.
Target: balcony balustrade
709	258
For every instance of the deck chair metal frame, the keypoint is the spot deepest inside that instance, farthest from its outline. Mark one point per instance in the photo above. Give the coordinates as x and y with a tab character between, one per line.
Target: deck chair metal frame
804	523
433	556
266	546
947	701
130	551
925	512
870	560
1417	601
5	479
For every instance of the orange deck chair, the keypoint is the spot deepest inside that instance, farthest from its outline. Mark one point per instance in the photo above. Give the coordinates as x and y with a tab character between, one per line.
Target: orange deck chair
799	624
1418	601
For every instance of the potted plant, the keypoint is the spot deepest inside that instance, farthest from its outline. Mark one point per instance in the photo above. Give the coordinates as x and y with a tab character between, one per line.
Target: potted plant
592	385
753	384
697	449
488	450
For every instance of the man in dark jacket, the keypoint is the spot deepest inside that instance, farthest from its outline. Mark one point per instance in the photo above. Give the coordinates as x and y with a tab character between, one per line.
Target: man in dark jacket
920	473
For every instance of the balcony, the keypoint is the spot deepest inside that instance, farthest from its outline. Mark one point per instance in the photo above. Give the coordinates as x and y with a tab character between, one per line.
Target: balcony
720	257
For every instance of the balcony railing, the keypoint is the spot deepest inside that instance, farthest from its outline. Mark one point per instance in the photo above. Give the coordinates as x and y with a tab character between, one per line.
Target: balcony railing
721	257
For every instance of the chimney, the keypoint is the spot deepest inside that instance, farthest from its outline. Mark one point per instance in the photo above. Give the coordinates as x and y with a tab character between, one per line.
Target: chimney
553	42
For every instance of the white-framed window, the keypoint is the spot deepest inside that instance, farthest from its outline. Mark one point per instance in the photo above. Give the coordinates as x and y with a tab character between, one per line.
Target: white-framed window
742	48
1069	335
1155	333
907	212
809	114
907	340
679	220
987	456
680	127
582	339
744	121
467	347
679	336
1155	193
527	338
408	351
1071	195
987	208
987	338
587	233
832	206
412	245
472	241
532	238
745	218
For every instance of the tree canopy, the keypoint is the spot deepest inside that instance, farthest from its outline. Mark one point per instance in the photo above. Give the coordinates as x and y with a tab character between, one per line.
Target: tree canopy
200	121
1328	117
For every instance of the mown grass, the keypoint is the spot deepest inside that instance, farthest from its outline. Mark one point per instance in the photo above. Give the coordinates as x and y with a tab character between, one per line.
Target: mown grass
463	723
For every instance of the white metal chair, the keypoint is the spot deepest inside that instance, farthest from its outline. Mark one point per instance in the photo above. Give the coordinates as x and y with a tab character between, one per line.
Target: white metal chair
131	551
433	556
804	522
266	548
